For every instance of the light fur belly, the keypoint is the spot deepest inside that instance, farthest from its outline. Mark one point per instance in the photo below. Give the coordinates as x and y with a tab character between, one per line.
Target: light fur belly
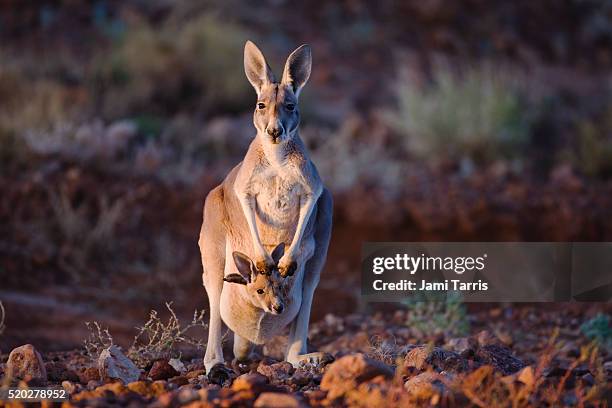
253	323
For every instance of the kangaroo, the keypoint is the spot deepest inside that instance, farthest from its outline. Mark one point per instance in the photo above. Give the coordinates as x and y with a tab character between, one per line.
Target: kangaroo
266	228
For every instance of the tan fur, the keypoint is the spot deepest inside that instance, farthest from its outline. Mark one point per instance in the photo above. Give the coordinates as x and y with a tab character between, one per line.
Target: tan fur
273	199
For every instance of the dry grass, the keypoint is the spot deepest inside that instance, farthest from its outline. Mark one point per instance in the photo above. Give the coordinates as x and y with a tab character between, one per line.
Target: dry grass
155	339
82	233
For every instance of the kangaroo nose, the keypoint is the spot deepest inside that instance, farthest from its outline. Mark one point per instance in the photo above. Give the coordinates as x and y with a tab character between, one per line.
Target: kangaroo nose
279	309
274	132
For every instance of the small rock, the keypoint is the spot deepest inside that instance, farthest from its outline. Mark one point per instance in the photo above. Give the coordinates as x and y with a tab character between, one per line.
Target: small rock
424	384
250	381
349	371
422	357
187	395
179	380
70	387
277	372
162	370
527	376
588	379
276	400
485	338
301	377
25	363
177	364
113	364
499	357
139	387
195	374
462	345
88	374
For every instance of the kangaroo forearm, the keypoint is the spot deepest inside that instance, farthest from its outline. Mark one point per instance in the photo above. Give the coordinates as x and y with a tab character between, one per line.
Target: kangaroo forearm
305	213
247	205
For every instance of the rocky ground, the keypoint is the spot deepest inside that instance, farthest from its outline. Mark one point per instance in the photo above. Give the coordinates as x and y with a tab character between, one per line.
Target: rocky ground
527	356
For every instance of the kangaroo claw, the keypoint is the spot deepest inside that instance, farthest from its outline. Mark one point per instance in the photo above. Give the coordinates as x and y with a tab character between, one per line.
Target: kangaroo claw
317	358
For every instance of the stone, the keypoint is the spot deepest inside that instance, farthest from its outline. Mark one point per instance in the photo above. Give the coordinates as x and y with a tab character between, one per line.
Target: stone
276	372
113	364
349	371
70	387
423	357
251	381
301	377
178	365
179	380
463	345
195	374
500	357
277	400
162	370
25	363
88	374
425	385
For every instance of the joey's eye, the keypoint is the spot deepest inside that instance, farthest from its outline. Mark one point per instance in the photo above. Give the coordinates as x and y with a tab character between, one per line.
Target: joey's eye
290	107
260	291
261	105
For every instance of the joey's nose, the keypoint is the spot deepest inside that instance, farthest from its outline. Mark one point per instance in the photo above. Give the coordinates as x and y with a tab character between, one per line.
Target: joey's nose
279	309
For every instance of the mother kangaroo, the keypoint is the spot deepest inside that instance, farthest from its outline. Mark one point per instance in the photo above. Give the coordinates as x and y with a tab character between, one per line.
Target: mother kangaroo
266	228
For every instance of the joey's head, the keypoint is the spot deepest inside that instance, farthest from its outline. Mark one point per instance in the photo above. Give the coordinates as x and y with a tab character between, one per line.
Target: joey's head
276	115
266	291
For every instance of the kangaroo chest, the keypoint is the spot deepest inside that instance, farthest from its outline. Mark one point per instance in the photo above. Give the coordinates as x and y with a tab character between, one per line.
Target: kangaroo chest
277	193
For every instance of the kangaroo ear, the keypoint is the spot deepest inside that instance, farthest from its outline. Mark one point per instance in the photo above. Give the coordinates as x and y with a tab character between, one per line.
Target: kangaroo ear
278	252
256	68
297	68
244	265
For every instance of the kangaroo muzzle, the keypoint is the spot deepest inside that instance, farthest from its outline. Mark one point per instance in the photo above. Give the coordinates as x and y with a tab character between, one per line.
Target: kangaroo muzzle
275	133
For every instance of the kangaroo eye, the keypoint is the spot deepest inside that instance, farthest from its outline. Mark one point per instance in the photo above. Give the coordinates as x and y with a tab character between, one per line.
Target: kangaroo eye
290	107
261	105
260	291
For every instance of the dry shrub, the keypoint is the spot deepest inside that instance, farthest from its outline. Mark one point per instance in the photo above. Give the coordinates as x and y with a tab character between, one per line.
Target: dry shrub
83	234
155	339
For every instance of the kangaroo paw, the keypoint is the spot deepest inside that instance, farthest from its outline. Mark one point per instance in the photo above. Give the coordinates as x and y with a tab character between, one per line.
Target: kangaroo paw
318	358
220	374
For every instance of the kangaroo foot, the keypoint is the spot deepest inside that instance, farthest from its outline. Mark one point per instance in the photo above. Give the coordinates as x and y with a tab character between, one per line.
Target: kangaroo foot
220	374
317	358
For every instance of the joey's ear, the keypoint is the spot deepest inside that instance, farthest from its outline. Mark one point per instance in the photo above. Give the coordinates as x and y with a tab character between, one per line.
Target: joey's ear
244	265
297	68
278	252
235	278
256	68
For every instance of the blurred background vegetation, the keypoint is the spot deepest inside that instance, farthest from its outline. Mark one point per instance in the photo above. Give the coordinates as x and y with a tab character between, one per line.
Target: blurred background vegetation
463	120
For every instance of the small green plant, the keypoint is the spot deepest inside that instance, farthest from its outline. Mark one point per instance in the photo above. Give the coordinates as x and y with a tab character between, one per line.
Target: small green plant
598	329
478	115
437	314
